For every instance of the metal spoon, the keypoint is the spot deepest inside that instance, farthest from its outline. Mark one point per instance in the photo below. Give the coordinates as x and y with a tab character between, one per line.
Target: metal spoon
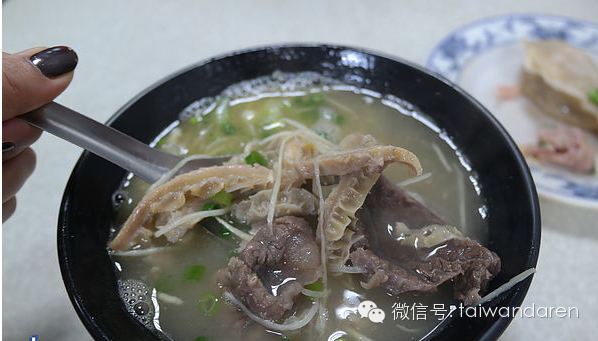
142	160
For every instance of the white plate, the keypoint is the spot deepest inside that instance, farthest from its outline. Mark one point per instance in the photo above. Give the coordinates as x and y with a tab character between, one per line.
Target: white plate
488	53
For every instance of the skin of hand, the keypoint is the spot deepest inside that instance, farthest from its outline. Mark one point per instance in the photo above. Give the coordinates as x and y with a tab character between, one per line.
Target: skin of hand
30	79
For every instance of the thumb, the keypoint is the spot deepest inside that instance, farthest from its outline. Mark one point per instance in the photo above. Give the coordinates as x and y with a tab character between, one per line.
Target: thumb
34	77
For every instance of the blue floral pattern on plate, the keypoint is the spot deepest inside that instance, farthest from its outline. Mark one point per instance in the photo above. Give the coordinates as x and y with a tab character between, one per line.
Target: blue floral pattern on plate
452	55
455	51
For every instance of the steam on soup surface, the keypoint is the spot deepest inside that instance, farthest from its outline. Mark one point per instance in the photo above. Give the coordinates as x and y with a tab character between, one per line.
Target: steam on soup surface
300	270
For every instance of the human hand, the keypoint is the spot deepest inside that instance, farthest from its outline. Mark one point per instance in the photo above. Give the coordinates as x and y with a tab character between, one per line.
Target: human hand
30	79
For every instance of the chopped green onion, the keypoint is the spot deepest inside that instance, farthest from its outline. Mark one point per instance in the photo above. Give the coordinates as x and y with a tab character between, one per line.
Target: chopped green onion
210	206
542	143
194	273
161	142
594	96
224	232
164	284
315	286
223	198
219	230
195	120
228	128
208	304
339	119
256	157
201	338
323	134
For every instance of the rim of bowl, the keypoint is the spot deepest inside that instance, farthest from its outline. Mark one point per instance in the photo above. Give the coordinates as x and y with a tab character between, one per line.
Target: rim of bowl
516	298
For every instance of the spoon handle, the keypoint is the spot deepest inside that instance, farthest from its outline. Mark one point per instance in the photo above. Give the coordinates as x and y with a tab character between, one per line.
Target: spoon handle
147	163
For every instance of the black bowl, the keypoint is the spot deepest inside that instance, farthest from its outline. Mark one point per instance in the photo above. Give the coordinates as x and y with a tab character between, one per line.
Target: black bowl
513	212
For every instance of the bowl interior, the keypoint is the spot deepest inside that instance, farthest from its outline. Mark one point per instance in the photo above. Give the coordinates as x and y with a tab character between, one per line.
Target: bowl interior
86	210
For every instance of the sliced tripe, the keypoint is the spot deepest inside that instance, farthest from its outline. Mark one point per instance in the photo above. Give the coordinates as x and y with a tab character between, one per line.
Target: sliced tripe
295	202
349	195
338	210
171	196
369	160
344	200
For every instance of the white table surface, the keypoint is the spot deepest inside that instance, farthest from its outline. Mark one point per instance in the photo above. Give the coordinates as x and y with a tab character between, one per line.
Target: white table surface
124	46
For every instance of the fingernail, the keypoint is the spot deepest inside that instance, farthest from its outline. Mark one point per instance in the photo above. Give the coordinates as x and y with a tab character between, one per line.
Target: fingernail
7	146
55	61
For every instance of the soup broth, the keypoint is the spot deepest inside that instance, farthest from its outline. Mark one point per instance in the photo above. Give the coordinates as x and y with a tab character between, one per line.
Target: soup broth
184	300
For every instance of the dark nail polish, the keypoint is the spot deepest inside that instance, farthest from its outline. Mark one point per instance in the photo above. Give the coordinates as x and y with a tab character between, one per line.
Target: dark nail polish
55	61
7	146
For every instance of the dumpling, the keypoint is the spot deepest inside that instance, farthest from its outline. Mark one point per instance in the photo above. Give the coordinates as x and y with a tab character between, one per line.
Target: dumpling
558	78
